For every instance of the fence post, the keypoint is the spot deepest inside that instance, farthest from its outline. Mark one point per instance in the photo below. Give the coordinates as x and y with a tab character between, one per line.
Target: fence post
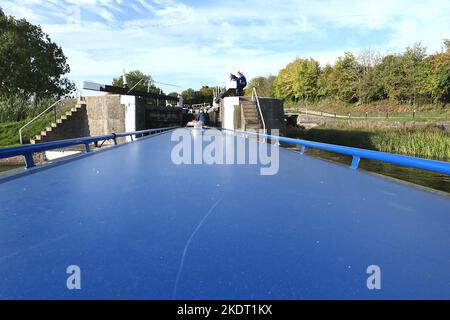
29	162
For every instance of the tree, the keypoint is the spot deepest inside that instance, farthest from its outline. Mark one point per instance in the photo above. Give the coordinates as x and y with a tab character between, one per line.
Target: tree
403	76
306	76
144	82
264	86
190	96
369	89
446	42
438	76
204	95
285	82
325	83
441	83
415	69
391	74
30	63
346	75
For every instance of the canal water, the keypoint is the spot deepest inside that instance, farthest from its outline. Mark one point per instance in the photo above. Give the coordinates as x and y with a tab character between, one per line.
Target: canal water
424	178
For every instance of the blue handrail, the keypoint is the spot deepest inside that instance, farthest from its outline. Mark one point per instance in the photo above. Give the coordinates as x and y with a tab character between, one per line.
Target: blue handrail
358	154
28	151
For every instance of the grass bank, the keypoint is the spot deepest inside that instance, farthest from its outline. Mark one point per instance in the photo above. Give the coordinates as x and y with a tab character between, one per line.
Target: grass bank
427	142
9	131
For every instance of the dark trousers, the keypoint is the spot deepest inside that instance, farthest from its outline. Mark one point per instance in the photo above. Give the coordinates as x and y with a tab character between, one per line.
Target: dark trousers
240	90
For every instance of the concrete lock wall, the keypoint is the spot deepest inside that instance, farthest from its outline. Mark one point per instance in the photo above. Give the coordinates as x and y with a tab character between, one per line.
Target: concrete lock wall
273	112
271	108
108	114
105	115
230	113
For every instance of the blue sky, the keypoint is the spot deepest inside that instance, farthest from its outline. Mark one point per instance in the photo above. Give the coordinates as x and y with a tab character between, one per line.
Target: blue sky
194	43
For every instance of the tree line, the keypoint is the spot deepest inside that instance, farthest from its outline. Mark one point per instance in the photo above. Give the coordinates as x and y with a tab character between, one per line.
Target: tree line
408	77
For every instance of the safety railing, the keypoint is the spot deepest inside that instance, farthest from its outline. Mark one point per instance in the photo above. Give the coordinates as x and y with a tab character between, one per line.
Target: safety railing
53	106
255	96
358	154
200	106
28	151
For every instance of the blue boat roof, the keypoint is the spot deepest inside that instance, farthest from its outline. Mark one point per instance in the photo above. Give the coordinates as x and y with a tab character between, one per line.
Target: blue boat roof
141	227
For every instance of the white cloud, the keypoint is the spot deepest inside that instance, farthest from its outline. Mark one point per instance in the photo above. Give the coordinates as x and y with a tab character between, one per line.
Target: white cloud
195	45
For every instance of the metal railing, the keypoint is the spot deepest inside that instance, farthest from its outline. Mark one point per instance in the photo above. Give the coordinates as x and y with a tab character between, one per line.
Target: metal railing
28	151
37	117
358	154
255	95
200	105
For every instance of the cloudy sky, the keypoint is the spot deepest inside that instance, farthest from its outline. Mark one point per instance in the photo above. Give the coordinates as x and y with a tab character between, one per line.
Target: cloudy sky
192	43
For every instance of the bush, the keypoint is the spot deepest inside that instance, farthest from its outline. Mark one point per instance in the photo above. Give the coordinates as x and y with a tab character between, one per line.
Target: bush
16	107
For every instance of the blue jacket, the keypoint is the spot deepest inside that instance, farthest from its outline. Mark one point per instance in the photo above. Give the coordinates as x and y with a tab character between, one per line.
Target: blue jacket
242	81
203	117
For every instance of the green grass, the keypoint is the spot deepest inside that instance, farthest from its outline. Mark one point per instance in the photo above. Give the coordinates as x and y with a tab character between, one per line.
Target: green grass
427	142
9	131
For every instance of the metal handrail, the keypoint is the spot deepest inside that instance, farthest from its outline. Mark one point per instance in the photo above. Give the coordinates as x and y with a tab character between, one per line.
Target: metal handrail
28	150
200	105
255	94
358	154
37	117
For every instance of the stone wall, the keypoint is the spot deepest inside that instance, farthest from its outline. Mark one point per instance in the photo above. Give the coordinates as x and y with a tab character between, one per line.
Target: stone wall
76	126
105	115
20	161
